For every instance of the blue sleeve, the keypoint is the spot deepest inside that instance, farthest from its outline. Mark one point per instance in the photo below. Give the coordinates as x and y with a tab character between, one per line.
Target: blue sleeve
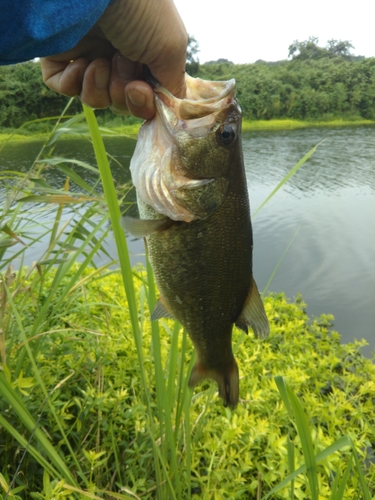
37	28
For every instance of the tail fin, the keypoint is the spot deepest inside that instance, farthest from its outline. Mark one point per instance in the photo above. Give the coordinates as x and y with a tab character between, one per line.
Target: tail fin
227	380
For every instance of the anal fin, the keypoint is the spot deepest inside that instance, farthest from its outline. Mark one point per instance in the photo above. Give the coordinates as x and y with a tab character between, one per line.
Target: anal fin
160	311
253	314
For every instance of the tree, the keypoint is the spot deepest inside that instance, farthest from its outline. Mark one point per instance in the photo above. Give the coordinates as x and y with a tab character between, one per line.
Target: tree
192	63
221	60
308	49
340	48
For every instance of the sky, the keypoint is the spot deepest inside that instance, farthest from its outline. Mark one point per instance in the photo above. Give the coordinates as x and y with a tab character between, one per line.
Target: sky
244	31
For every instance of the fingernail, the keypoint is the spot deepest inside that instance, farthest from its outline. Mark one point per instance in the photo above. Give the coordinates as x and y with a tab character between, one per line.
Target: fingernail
137	98
101	77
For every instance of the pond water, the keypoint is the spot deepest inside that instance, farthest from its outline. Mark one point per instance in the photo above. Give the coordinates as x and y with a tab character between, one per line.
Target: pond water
328	207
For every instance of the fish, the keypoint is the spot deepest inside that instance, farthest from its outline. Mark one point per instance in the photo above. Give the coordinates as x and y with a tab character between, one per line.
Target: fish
192	196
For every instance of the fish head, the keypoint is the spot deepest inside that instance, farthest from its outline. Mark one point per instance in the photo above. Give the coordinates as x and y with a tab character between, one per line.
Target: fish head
205	127
182	163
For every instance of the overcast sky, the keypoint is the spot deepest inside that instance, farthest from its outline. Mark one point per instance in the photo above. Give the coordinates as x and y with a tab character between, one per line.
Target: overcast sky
244	31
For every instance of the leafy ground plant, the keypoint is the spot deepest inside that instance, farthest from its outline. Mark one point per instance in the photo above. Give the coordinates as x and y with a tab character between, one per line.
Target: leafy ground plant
94	400
95	425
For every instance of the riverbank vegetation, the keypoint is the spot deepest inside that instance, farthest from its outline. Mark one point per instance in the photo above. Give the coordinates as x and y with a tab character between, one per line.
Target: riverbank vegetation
319	84
316	86
82	408
94	399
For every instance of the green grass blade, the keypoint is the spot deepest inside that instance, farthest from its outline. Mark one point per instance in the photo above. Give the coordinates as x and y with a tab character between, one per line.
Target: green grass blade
362	480
21	409
339	485
23	414
307	445
26	445
282	387
56	225
188	451
165	404
286	178
115	453
127	276
291	464
60	160
163	464
183	390
115	214
77	179
280	260
71	126
338	445
304	434
64	268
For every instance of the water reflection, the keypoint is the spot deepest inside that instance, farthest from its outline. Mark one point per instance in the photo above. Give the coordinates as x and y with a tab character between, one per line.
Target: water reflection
332	199
343	158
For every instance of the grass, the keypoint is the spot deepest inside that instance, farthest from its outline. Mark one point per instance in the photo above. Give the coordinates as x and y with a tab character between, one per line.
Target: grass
130	128
94	400
45	128
288	124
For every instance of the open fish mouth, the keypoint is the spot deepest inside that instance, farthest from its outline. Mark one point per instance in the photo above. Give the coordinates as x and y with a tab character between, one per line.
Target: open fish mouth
160	173
204	99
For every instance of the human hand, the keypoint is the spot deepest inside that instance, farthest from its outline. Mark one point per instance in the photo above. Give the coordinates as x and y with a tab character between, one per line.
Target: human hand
105	68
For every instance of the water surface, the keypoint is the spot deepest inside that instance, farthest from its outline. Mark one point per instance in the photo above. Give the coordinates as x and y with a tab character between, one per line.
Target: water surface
331	203
329	206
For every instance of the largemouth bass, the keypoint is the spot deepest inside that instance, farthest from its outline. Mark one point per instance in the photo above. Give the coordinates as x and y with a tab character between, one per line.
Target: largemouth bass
188	172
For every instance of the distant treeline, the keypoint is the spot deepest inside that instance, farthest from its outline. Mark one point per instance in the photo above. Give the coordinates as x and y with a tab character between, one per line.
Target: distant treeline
318	83
301	89
24	97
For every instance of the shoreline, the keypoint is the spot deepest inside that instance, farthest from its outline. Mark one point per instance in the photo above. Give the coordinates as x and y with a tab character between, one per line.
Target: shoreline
247	126
289	124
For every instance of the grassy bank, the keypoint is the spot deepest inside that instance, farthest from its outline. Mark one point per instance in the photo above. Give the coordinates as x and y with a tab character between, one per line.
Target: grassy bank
94	401
255	125
116	127
87	359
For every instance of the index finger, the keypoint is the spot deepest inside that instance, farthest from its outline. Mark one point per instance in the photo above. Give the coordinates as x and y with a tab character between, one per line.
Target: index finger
168	65
64	77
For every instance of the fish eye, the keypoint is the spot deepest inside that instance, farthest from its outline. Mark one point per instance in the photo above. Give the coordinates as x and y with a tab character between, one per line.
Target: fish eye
226	134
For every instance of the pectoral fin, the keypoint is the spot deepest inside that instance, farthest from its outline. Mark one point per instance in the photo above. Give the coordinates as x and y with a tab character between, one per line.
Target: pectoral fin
160	311
253	314
142	228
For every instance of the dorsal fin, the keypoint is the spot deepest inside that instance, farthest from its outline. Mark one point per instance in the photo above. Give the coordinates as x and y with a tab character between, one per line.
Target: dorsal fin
253	314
